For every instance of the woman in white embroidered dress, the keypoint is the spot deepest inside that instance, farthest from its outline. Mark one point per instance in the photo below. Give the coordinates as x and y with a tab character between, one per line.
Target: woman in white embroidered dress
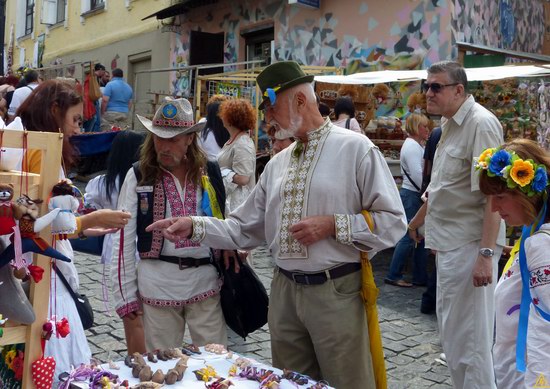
55	106
518	187
237	159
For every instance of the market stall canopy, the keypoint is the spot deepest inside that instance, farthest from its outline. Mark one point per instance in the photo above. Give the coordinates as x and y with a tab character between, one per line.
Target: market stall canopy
474	74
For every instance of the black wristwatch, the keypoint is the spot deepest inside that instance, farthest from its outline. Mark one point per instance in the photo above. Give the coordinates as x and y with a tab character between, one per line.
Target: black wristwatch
486	252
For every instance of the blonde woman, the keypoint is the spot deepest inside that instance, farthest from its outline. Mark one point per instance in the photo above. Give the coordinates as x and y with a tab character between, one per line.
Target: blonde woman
412	163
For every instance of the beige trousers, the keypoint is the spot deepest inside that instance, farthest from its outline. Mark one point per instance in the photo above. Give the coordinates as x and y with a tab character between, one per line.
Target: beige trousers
466	317
321	330
165	327
111	118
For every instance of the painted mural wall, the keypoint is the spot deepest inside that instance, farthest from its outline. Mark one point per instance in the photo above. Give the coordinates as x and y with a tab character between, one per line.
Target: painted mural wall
509	24
363	35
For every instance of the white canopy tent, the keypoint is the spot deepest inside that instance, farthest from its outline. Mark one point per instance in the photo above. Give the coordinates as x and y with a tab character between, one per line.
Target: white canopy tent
474	74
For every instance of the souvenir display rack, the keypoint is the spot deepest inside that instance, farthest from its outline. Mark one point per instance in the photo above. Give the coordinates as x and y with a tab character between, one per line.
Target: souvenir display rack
50	145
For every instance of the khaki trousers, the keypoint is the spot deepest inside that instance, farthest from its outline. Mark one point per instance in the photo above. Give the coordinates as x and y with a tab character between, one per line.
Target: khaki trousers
321	330
466	317
112	118
165	327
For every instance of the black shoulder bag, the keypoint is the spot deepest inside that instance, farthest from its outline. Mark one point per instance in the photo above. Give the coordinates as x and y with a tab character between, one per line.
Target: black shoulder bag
243	298
83	306
410	179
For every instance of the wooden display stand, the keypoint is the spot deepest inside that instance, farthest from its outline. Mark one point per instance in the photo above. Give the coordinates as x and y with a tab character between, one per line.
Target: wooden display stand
51	145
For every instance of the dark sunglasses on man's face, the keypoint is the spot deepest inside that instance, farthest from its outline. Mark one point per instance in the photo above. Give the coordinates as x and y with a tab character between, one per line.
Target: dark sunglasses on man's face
435	86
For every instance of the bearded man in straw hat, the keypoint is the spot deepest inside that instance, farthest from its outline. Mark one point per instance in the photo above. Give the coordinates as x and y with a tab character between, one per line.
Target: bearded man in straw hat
307	205
175	282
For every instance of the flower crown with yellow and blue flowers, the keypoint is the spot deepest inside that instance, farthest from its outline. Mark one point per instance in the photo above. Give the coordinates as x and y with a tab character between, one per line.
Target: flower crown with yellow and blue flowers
526	175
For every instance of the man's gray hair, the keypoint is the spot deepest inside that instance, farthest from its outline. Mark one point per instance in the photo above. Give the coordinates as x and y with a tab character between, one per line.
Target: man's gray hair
453	69
307	89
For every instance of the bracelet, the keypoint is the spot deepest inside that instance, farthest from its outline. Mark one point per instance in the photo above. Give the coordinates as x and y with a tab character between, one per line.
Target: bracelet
81	235
410	228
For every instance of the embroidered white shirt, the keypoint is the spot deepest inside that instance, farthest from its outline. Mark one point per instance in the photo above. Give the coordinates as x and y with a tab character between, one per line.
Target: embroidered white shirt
158	282
345	174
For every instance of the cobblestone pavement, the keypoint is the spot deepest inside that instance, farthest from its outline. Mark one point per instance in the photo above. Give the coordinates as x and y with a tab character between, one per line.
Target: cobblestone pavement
411	341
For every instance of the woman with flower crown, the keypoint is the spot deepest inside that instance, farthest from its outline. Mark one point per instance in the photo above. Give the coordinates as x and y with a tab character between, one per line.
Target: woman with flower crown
515	175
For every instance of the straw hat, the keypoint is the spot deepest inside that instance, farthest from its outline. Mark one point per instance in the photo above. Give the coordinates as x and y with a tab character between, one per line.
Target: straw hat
173	117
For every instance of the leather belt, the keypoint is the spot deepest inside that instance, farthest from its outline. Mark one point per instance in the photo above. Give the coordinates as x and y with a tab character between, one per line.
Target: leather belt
185	262
321	277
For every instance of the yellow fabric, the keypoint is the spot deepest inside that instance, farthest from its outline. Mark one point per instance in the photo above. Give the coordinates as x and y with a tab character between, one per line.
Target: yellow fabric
32	161
216	210
369	291
513	253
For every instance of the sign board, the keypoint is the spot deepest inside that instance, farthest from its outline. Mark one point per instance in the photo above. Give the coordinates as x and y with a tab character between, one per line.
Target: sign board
308	3
228	89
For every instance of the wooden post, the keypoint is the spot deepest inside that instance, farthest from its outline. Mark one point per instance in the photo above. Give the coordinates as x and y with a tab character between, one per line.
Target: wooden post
51	145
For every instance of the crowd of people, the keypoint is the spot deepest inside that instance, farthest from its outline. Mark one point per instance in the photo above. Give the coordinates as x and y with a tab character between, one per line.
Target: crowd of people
187	196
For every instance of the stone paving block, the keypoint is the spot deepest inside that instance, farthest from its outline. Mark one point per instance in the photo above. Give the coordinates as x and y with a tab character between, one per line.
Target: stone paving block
392	336
401	360
397	347
438	378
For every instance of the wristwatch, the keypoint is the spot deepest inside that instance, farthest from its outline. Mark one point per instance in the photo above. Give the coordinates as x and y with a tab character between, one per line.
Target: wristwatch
486	252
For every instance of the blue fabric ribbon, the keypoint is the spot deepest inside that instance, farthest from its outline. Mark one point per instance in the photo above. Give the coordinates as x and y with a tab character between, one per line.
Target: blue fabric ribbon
271	95
521	343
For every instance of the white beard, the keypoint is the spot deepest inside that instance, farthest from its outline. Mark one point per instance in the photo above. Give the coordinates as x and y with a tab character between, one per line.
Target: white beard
293	127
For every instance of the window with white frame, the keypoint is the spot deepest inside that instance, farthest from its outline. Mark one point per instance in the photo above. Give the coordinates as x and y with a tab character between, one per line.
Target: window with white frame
29	16
90	5
53	11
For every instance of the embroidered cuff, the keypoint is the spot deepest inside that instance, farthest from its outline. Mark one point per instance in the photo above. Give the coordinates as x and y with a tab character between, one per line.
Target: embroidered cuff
128	308
199	229
342	224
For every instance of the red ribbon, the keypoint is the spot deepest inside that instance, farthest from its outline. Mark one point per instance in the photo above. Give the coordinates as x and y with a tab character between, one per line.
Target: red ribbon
121	263
36	272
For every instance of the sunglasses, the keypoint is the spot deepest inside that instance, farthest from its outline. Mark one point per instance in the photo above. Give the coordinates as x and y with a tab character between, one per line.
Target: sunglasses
436	87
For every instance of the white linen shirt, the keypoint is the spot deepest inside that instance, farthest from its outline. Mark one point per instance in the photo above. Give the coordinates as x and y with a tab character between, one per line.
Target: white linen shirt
347	174
455	203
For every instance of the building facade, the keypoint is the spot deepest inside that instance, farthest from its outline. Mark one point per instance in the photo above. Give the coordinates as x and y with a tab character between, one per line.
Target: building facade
357	35
65	35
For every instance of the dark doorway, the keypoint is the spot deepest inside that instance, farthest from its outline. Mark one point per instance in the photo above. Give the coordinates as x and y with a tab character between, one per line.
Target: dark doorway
258	44
206	48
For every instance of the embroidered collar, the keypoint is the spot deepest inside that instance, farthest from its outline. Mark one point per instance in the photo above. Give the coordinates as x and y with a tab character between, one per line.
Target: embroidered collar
311	135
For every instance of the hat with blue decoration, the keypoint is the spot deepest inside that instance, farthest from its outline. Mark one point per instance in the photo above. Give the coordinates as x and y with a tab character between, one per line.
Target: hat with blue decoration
173	117
278	77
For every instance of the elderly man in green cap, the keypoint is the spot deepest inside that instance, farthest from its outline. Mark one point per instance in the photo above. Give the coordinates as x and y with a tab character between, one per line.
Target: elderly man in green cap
307	206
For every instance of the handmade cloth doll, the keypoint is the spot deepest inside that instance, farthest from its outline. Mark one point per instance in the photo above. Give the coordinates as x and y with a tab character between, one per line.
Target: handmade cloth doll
64	199
30	225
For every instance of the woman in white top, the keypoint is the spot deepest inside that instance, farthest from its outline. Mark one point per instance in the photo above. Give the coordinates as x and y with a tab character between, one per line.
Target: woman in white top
102	193
214	134
237	158
412	163
518	190
344	111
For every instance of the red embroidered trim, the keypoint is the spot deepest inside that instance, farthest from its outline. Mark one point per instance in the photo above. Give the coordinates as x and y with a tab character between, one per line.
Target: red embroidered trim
540	276
178	303
128	308
173	123
177	208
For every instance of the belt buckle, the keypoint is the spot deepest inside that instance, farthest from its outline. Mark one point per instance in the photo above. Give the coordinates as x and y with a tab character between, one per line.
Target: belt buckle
305	277
182	266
